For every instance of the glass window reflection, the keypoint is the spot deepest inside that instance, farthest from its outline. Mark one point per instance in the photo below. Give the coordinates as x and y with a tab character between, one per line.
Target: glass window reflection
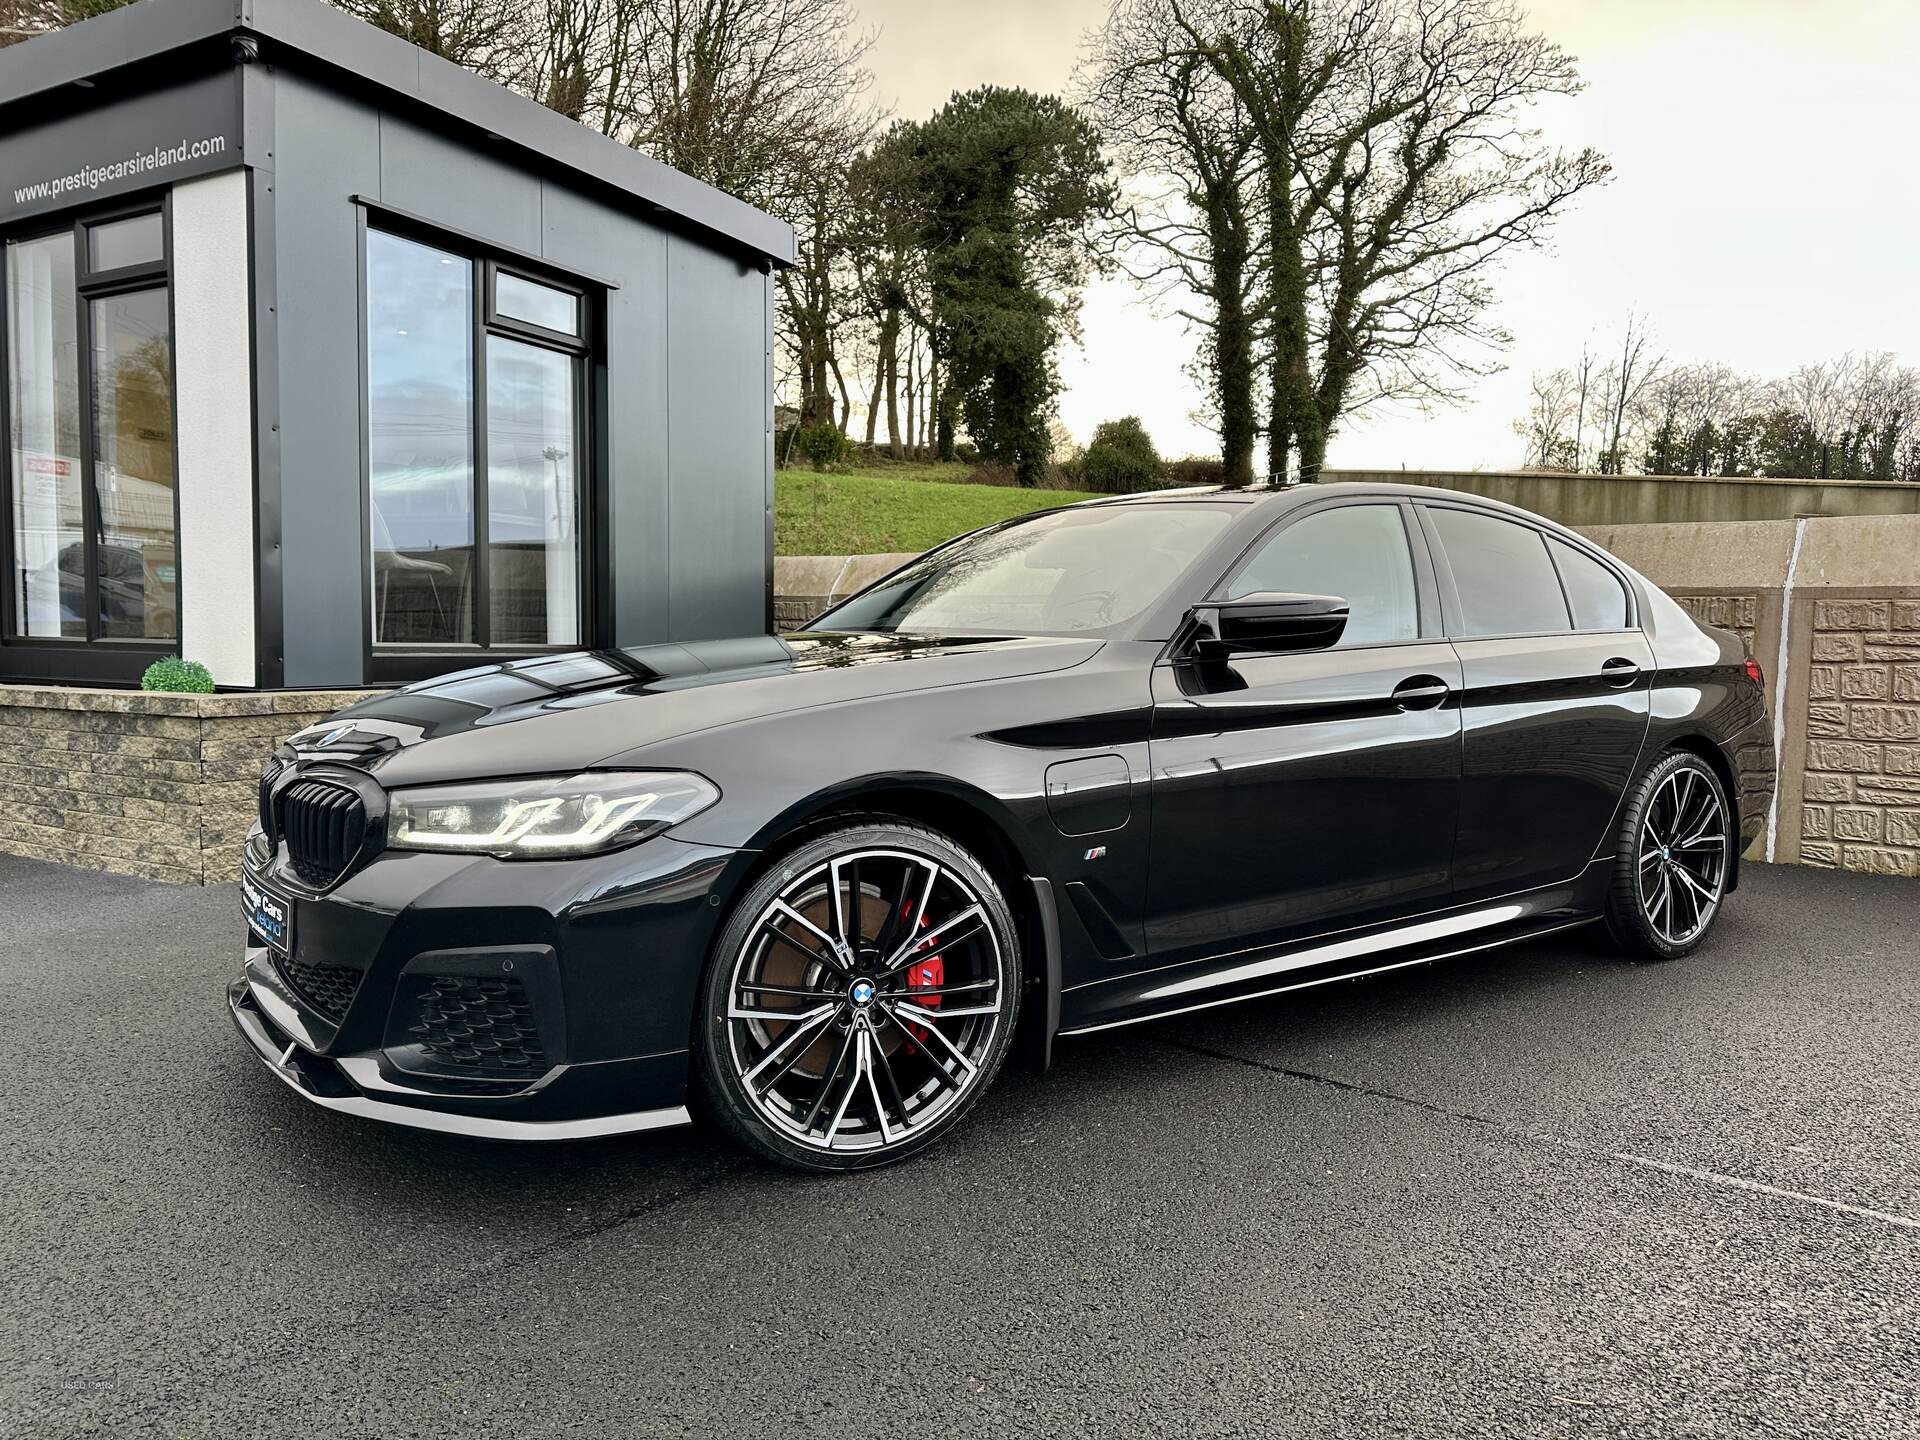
115	244
531	303
420	441
533	525
43	413
136	556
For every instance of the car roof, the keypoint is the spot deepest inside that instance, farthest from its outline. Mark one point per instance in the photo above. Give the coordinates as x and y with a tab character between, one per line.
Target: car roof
1298	493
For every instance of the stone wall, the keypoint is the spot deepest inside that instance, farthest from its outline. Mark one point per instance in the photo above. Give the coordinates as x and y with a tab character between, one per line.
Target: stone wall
155	785
804	585
1860	806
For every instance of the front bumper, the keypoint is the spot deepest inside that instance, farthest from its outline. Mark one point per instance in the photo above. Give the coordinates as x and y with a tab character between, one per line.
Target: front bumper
599	961
325	1082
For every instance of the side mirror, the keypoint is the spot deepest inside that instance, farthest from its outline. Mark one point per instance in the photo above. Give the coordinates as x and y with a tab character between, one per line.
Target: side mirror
1270	622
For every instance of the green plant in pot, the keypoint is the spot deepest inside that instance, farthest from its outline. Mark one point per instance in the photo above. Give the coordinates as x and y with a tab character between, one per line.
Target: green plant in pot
188	677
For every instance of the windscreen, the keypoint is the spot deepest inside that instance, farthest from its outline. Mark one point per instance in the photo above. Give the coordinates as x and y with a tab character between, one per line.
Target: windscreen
1061	573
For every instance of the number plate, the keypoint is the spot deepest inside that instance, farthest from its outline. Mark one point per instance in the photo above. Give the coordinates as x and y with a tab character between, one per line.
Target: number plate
269	916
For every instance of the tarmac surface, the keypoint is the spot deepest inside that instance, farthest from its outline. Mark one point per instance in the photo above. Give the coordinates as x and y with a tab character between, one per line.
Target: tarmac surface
1536	1192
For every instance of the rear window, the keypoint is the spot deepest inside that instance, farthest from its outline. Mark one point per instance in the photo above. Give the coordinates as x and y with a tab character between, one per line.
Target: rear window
1598	600
1503	574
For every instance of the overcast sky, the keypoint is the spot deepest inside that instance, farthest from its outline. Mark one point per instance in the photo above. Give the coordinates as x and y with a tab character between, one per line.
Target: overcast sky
1765	209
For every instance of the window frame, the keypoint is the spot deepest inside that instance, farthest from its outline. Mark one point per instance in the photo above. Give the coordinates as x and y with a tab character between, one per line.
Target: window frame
1454	613
1429	619
92	656
401	662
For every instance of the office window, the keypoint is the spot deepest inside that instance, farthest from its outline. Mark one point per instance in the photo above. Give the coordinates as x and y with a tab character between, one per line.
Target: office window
545	307
90	463
474	451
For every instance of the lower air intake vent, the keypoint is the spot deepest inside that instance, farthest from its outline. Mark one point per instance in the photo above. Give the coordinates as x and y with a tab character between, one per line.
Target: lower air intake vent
479	1024
327	988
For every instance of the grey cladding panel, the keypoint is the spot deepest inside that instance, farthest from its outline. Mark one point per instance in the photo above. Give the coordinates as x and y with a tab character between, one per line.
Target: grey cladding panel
717	442
327	150
451	185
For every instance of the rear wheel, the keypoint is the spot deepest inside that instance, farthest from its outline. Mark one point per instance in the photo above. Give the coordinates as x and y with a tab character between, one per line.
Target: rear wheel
860	999
1671	864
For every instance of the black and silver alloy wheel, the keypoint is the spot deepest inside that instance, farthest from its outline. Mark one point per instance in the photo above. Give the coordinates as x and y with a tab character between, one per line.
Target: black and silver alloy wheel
1683	855
860	998
1675	847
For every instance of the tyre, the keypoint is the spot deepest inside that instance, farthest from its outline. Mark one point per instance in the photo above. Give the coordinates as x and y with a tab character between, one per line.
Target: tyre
860	999
1672	854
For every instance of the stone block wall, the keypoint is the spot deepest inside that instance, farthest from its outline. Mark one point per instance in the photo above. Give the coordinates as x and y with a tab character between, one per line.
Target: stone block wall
1860	804
136	783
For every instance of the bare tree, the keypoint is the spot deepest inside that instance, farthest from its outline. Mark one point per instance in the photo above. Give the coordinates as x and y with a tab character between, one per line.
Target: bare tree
1849	418
580	59
1187	220
762	99
489	37
886	221
1583	387
1548	426
752	96
1398	170
1623	386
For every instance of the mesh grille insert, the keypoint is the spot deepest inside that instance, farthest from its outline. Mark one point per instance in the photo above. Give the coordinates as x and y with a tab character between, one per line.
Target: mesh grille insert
327	988
479	1024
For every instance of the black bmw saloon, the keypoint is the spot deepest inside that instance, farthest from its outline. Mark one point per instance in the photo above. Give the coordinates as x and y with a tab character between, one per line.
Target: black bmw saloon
1097	765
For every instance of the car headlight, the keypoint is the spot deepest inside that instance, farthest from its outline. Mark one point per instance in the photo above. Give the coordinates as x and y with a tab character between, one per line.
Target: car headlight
545	818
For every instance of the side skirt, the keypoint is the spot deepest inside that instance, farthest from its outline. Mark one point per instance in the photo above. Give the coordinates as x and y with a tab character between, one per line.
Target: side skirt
1154	995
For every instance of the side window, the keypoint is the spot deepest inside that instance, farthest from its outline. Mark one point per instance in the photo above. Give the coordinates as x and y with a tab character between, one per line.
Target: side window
1594	591
1358	552
1503	573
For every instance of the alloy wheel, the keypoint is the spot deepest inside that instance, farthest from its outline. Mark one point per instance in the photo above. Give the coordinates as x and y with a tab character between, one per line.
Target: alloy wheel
865	1000
1682	864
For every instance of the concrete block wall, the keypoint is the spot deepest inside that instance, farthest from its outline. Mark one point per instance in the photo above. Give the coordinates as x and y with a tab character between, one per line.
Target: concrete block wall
804	585
1578	500
135	783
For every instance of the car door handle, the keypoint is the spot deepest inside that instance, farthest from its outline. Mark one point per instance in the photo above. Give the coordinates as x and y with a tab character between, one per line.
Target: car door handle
1421	692
1620	672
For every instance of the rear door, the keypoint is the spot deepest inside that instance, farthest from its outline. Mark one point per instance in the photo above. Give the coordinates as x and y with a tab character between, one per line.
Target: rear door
1295	793
1556	677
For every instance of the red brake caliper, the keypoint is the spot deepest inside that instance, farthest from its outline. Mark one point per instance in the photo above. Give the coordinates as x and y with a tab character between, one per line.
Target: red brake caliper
927	974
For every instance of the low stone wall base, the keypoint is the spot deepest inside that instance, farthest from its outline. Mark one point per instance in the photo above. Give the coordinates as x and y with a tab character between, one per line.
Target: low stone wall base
155	785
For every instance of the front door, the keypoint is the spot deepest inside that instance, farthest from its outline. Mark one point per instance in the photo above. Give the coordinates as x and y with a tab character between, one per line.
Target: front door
1304	792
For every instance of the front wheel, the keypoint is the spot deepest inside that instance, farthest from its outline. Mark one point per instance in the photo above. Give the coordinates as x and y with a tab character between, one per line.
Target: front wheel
860	998
1675	849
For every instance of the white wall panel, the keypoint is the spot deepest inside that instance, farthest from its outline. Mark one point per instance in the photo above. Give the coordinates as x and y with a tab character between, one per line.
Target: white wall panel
213	398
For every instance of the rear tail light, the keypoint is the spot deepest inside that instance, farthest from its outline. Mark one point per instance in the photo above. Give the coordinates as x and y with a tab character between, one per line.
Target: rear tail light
1754	672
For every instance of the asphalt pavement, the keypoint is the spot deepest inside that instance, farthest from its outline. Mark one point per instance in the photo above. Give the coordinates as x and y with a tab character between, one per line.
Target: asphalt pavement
1539	1192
